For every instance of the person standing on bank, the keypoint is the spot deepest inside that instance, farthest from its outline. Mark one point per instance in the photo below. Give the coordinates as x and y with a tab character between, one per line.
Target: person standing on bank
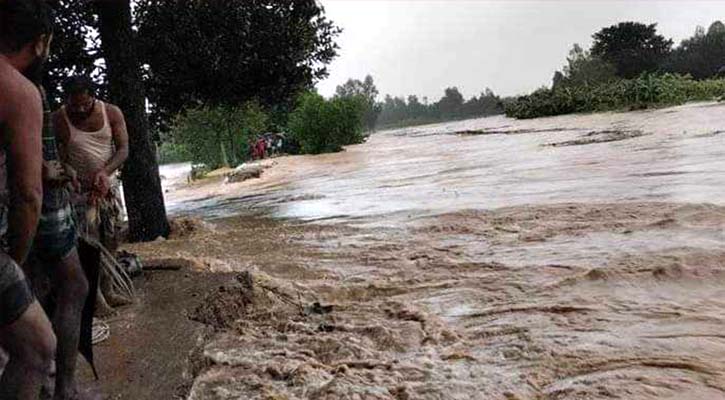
25	332
55	251
92	140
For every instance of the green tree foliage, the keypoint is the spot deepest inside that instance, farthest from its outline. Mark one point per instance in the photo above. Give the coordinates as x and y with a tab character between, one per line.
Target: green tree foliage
702	55
716	28
632	47
172	152
415	108
325	126
369	93
221	135
451	104
397	111
207	53
591	80
487	103
584	69
75	47
558	79
644	91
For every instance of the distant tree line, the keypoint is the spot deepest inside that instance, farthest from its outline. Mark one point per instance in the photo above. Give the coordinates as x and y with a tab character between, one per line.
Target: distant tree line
702	55
629	49
631	65
399	111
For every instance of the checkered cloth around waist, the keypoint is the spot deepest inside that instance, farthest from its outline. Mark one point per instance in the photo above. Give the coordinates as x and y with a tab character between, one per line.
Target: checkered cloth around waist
57	220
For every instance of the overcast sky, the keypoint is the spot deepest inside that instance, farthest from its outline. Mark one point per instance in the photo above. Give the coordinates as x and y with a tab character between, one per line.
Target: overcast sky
422	46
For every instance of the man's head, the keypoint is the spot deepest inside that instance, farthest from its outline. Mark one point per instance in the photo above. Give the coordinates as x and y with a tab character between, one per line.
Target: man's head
80	97
26	30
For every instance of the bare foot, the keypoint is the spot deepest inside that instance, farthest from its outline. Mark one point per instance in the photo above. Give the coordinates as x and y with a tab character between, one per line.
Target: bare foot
116	300
102	307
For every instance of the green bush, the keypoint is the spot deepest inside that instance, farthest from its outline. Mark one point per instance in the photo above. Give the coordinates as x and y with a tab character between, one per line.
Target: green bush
219	136
324	126
648	90
170	153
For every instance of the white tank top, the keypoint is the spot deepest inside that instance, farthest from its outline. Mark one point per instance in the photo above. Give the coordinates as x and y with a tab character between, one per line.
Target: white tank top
88	152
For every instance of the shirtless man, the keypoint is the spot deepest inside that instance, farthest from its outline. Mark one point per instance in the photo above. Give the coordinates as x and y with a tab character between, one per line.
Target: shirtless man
25	332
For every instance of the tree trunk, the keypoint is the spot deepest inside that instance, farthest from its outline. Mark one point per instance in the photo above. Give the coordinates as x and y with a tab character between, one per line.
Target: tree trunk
141	182
225	159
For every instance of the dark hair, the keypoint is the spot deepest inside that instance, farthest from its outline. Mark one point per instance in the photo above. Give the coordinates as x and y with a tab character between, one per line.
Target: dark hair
79	84
22	22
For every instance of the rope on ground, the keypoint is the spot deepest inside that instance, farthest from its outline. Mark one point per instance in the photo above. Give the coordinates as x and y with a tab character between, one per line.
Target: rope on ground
101	331
120	280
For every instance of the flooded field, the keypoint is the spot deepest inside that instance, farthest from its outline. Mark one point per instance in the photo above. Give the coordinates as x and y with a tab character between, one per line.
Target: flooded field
575	257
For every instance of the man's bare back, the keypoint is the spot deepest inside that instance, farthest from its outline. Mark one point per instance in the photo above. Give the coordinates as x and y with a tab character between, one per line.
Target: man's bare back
21	114
25	332
20	91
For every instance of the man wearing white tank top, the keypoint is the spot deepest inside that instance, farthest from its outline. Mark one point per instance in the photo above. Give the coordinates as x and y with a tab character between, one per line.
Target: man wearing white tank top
93	140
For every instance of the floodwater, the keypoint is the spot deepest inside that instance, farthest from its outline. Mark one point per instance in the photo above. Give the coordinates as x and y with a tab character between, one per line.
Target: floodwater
573	257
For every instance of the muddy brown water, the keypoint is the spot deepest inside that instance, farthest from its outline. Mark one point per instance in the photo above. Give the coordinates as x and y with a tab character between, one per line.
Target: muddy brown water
470	260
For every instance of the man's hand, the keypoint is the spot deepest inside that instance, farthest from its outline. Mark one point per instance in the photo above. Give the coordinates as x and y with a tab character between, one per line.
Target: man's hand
101	184
72	177
53	172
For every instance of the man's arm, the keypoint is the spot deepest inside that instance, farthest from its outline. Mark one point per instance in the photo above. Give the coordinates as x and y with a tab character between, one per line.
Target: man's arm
25	160
120	139
62	135
62	138
101	179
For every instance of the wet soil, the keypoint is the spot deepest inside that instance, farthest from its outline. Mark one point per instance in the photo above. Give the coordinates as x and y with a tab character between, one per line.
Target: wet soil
147	355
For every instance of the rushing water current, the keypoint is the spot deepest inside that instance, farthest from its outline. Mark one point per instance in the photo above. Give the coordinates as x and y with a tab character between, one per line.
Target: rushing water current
573	257
667	155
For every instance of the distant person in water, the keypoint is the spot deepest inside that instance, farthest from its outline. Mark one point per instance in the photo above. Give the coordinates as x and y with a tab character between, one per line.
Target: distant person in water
25	332
260	148
93	141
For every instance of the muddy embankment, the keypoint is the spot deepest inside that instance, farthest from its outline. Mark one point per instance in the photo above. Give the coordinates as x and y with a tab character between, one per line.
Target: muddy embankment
576	257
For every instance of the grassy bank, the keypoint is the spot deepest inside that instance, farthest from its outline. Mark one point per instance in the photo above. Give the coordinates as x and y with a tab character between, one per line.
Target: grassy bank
644	92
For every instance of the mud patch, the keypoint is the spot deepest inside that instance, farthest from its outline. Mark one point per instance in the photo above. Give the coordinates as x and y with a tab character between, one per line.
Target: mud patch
604	136
247	299
147	354
710	134
501	131
186	227
660	174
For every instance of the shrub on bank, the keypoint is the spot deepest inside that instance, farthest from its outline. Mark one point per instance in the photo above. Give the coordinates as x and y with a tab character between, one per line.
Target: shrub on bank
219	136
646	91
324	126
171	153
